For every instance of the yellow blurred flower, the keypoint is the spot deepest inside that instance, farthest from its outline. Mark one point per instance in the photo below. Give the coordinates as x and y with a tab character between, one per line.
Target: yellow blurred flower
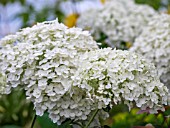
168	12
71	20
102	1
168	9
128	44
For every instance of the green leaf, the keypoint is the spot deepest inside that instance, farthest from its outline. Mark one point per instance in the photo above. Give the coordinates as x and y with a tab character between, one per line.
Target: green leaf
66	125
45	122
155	4
10	126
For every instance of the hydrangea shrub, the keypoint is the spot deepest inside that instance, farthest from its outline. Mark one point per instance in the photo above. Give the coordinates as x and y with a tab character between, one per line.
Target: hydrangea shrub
154	44
42	59
65	74
120	20
114	76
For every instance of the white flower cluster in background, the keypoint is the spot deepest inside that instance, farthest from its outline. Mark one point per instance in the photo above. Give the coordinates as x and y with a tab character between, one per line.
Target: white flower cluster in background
154	44
119	20
111	77
42	59
87	21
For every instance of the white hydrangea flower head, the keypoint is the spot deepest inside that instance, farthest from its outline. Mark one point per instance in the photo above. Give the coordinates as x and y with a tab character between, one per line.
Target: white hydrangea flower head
114	76
77	106
119	20
42	59
87	21
154	44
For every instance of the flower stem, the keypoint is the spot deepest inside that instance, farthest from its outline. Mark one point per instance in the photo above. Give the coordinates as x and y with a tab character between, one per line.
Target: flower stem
92	118
33	122
78	124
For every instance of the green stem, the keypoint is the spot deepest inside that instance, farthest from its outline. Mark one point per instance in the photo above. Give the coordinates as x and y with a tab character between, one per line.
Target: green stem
92	118
78	124
33	122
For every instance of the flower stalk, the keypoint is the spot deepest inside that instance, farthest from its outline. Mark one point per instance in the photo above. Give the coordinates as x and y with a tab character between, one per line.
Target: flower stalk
92	118
33	122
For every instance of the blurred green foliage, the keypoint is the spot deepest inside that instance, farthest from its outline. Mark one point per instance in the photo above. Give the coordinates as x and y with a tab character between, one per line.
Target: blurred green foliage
120	117
31	16
5	2
156	4
15	110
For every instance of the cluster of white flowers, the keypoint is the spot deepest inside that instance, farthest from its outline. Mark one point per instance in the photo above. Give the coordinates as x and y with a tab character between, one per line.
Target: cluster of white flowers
42	59
64	73
87	21
113	76
154	44
119	20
